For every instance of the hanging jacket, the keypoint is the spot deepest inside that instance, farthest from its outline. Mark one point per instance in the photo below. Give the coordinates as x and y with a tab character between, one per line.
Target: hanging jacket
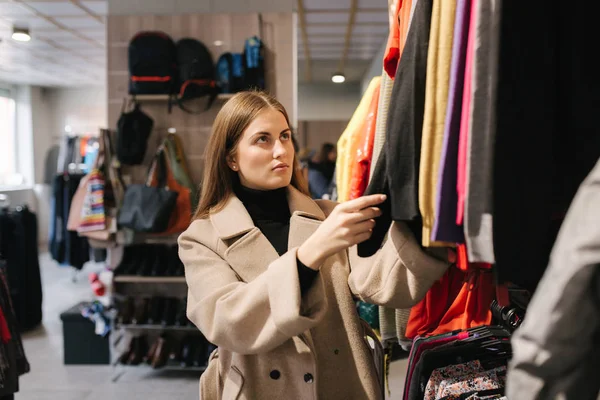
364	151
556	351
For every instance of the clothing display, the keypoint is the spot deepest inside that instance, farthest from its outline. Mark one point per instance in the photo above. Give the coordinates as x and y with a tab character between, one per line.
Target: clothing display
19	250
66	247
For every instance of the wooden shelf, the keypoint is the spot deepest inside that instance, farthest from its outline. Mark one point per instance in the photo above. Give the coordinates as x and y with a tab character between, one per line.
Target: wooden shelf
159	328
148	279
165	97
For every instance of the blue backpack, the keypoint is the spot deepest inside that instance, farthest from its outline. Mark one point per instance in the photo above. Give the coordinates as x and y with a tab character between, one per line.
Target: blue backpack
230	73
254	63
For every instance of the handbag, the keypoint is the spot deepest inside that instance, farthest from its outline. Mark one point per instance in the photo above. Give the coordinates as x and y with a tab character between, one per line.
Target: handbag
148	208
178	180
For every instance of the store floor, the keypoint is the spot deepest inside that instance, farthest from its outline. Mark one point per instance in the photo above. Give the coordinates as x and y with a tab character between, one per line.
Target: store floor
49	379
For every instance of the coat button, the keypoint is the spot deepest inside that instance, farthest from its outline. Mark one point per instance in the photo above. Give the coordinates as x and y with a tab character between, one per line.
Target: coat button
308	378
275	374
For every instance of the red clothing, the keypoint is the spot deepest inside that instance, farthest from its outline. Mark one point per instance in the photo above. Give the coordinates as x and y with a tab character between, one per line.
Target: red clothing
397	37
4	331
364	152
463	141
461	299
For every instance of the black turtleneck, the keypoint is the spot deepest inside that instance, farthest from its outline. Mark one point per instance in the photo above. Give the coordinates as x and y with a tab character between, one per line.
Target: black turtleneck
270	213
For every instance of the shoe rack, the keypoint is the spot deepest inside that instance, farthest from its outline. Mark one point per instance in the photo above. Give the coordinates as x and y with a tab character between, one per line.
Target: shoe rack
151	327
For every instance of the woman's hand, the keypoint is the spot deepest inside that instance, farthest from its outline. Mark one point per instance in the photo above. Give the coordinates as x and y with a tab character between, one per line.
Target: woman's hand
348	224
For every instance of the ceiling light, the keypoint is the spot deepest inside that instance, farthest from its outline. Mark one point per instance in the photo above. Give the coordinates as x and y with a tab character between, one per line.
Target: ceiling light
21	34
338	77
218	43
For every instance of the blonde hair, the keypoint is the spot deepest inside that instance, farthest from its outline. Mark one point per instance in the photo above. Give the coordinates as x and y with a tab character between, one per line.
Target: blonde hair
230	123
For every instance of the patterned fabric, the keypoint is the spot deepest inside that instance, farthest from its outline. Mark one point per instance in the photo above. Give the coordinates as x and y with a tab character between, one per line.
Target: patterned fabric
485	380
93	217
452	371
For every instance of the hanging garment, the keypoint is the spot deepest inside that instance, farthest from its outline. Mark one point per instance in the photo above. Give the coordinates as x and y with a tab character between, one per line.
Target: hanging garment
478	220
66	247
396	171
460	300
557	348
397	38
445	228
348	143
465	120
364	150
439	59
547	131
385	95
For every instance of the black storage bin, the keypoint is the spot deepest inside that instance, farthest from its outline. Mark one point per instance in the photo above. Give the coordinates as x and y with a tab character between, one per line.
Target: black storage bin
80	342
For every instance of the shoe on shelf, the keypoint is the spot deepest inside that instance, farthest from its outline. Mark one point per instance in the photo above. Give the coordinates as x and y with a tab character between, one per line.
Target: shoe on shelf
181	316
156	310
140	315
170	311
187	352
140	350
147	260
162	353
161	262
126	310
150	355
130	255
126	355
199	357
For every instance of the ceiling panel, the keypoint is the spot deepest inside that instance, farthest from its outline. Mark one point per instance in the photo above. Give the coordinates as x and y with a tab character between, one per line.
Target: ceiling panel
381	30
99	7
84	22
14	9
53	9
30	22
363	17
327	17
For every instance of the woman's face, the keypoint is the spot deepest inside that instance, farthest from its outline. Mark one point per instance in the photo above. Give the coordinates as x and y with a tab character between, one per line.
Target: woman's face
264	158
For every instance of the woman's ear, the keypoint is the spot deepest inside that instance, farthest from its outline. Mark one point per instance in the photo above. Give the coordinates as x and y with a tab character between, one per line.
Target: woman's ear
232	163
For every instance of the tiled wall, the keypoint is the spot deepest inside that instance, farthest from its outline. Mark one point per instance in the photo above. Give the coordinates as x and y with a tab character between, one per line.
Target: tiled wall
277	33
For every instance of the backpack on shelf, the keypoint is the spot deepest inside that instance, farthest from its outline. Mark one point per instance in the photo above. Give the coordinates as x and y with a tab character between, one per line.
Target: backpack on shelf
133	130
230	73
152	64
254	63
196	72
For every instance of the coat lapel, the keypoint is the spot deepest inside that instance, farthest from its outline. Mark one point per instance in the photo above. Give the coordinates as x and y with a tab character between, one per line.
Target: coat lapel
250	252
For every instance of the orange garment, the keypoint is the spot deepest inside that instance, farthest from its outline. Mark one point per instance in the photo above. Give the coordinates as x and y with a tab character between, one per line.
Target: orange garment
397	37
364	152
461	299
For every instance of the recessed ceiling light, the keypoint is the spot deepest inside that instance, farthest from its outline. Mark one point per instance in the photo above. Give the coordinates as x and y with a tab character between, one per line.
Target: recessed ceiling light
338	77
218	43
21	34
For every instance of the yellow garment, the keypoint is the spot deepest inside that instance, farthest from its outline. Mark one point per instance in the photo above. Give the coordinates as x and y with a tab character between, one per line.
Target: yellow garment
348	142
439	58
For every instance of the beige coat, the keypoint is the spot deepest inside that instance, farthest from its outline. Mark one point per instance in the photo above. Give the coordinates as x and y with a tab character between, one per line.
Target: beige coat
273	343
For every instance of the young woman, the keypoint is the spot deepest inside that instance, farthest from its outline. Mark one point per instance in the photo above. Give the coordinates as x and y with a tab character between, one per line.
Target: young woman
272	273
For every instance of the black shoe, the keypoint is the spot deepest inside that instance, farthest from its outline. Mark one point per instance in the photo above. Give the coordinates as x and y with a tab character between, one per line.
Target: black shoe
199	358
124	358
126	311
170	311
128	263
156	310
139	352
187	352
147	260
140	315
181	316
161	262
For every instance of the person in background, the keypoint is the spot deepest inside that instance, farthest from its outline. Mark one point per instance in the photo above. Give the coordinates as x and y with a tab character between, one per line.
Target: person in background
272	274
320	171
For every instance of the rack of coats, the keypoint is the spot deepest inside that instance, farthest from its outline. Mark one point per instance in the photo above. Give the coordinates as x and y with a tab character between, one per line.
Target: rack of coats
20	293
19	252
480	129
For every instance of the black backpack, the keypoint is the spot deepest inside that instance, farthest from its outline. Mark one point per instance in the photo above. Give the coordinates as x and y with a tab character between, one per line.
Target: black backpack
254	63
152	64
230	73
196	72
133	129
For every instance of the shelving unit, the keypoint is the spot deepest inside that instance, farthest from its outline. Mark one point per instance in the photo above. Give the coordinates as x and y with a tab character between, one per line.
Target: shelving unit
148	279
145	327
165	97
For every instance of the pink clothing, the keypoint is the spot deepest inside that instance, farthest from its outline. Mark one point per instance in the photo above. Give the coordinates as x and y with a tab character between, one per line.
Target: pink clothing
463	141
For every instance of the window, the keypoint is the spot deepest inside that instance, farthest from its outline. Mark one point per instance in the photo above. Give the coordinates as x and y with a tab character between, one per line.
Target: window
8	148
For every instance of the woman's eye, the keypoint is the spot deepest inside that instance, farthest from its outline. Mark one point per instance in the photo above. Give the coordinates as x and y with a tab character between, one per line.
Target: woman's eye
286	136
262	139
